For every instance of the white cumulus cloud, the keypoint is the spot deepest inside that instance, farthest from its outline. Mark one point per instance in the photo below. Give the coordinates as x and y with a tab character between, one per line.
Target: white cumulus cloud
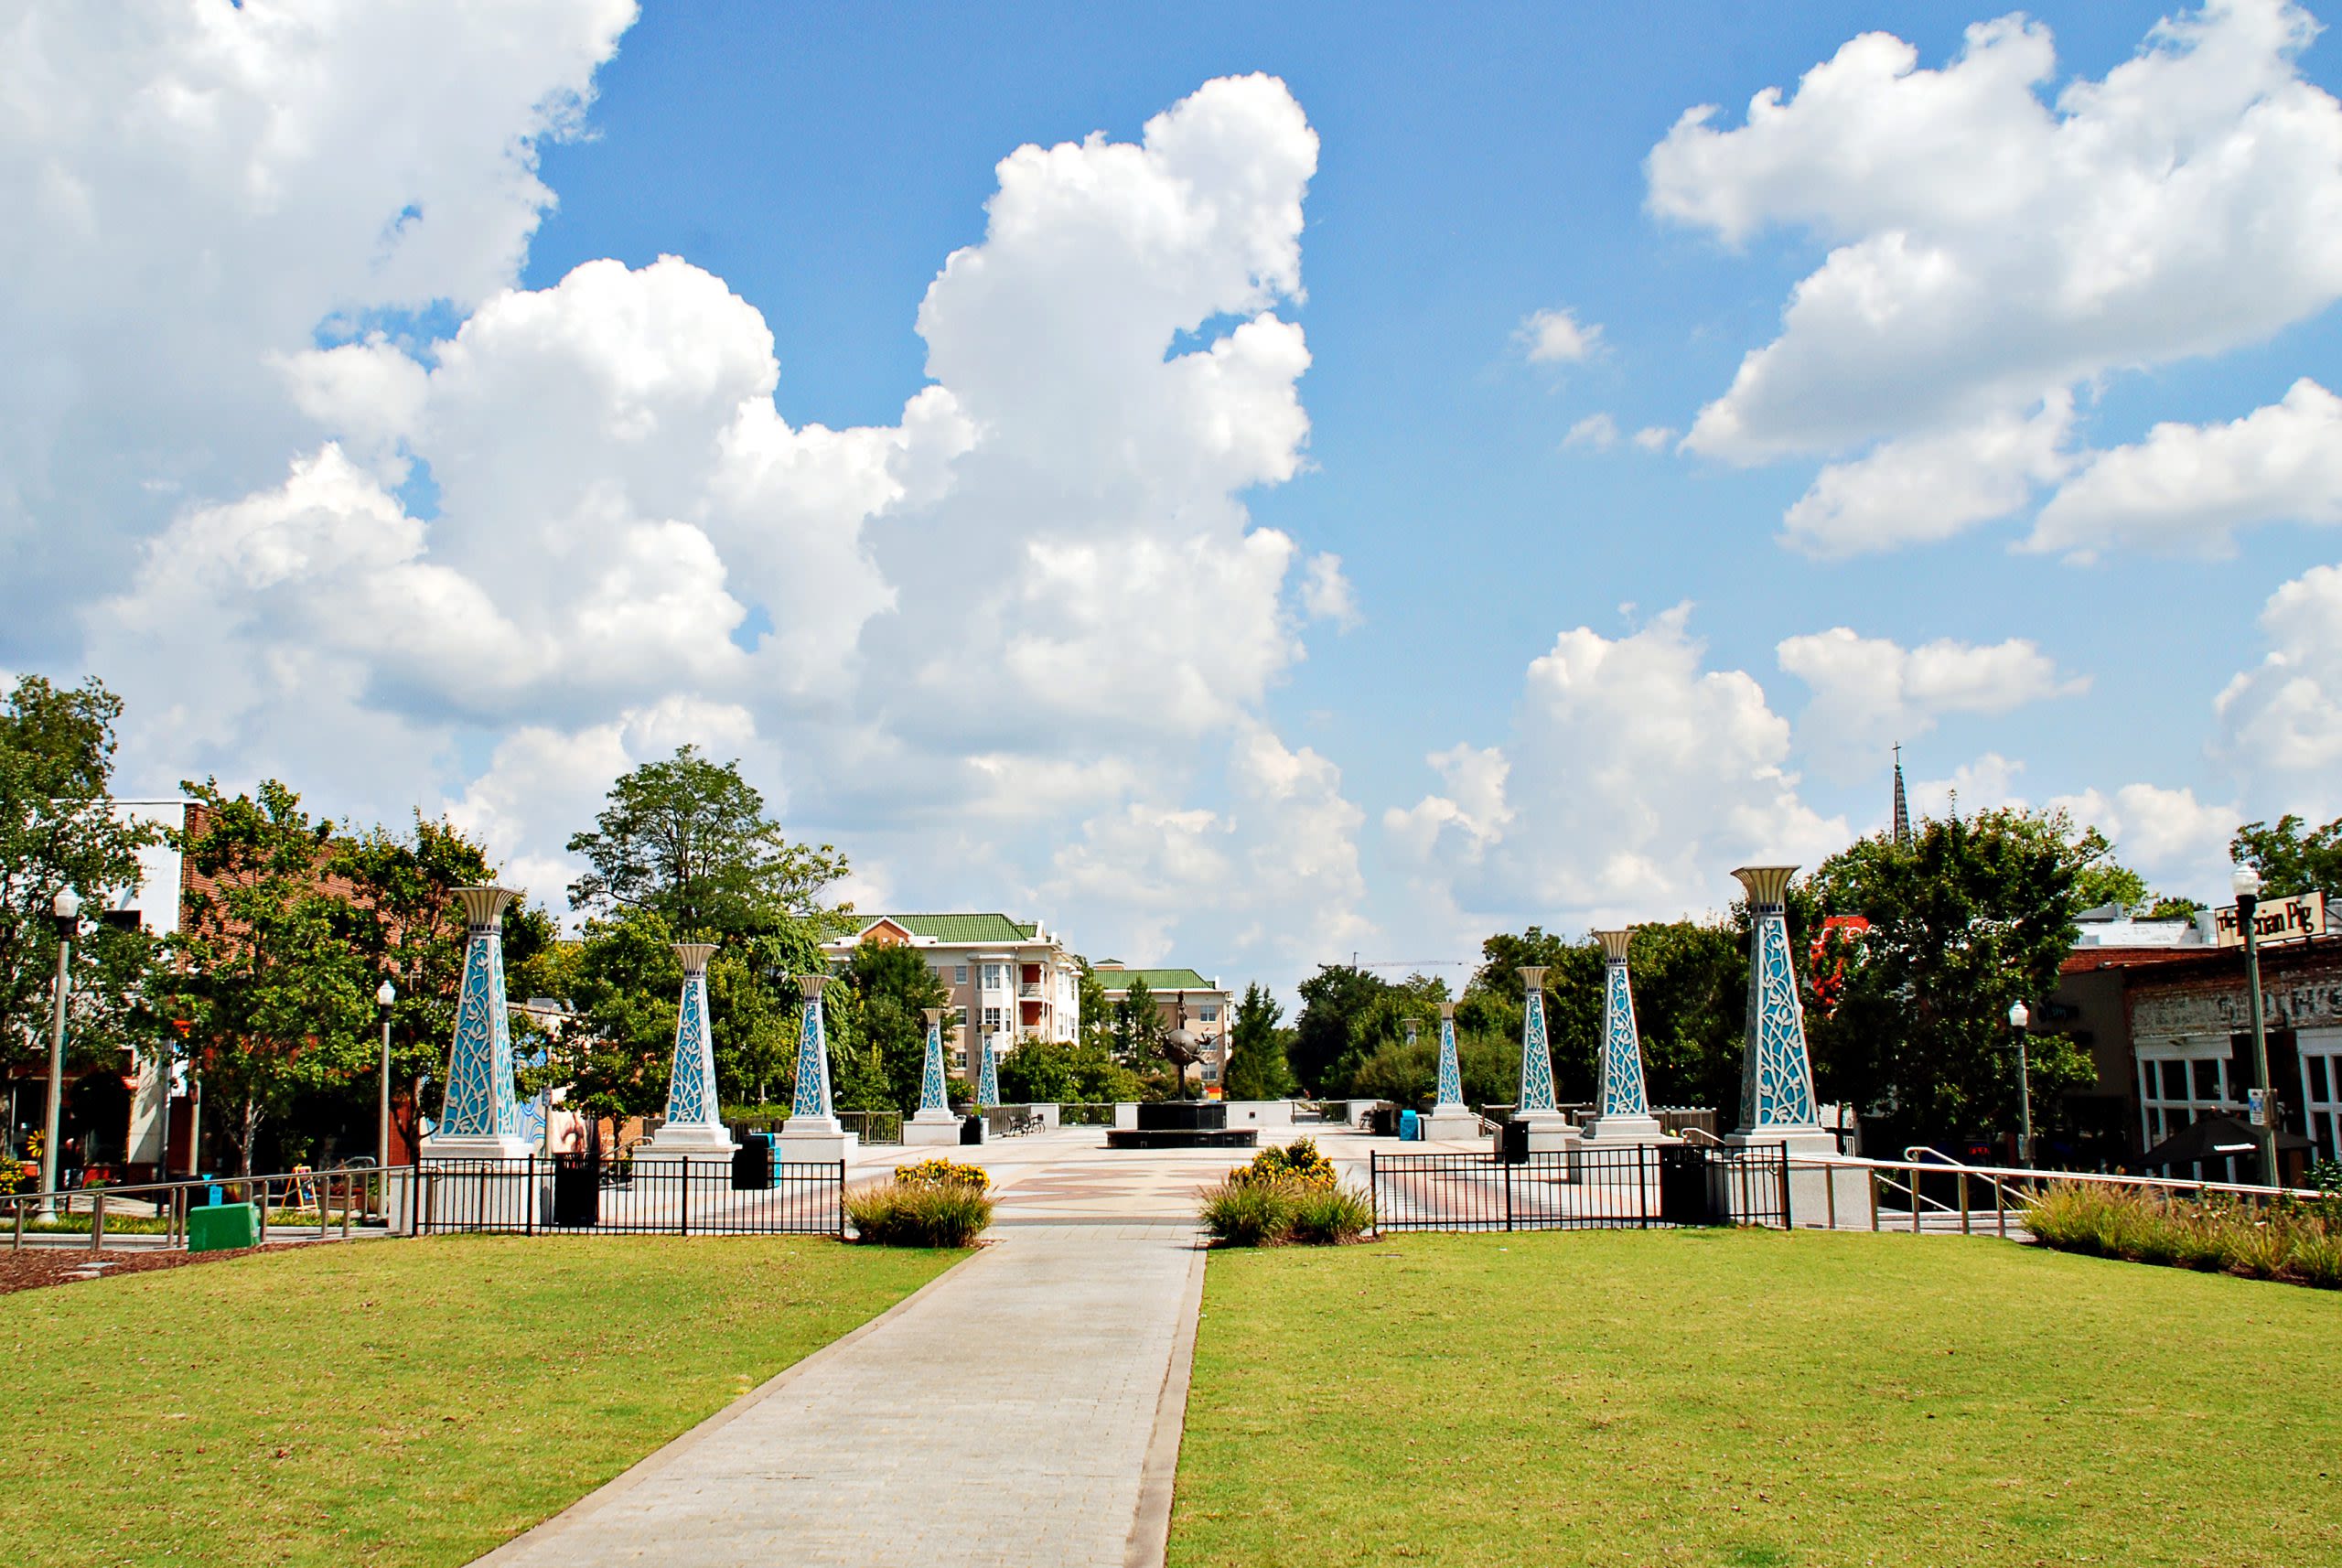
1037	592
1633	780
1557	337
1992	234
1870	693
2187	489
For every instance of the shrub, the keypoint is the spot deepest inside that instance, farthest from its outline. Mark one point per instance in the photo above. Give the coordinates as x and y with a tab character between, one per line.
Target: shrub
1331	1216
919	1214
1245	1212
2286	1240
1297	1164
938	1171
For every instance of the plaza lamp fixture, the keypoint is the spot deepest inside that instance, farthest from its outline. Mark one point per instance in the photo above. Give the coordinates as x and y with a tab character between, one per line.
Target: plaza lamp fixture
384	994
67	909
2245	882
2020	1016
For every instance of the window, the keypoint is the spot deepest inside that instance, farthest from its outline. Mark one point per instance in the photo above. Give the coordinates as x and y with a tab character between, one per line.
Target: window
2321	1054
1208	1012
995	976
992	1020
959	974
2176	1091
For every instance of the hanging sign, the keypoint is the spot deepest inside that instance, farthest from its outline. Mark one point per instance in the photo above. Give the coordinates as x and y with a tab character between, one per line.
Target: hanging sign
2274	920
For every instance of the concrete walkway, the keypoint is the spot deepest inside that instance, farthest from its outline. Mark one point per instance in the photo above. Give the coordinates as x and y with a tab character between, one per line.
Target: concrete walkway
1022	1409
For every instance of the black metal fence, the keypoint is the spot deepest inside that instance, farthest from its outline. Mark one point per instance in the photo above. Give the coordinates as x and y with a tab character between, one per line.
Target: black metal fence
1630	1187
646	1195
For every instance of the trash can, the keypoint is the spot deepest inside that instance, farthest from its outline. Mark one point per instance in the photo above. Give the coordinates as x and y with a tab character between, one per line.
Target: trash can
972	1129
1512	1148
752	1162
1411	1127
576	1190
1683	1185
222	1227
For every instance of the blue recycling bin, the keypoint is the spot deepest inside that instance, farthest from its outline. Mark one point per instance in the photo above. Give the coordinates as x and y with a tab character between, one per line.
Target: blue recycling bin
1410	1126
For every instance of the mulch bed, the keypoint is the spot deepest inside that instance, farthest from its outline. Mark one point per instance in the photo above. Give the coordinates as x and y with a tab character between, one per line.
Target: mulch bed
37	1266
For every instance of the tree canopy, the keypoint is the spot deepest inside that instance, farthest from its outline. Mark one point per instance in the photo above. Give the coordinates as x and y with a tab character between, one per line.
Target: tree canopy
688	840
59	829
2291	856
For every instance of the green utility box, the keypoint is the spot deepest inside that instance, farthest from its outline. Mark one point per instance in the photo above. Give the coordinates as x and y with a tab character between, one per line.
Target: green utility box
217	1227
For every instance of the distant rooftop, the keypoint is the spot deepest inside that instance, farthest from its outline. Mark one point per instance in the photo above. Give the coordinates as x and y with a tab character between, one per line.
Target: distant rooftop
2111	926
959	928
1158	980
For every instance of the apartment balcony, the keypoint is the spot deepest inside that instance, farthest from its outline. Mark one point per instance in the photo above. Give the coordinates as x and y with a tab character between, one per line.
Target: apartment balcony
1028	991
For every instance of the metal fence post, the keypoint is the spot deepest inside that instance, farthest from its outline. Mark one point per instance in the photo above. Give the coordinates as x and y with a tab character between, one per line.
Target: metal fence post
684	1210
1963	1202
98	1222
1830	1194
1788	1220
262	1240
1914	1201
1374	1186
1874	1197
1508	1167
528	1197
841	1207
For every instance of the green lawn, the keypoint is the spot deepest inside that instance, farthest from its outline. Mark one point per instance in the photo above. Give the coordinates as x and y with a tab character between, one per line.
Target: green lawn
410	1402
1748	1397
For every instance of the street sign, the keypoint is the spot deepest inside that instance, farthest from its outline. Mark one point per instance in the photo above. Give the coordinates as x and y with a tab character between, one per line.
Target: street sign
2273	921
2256	1103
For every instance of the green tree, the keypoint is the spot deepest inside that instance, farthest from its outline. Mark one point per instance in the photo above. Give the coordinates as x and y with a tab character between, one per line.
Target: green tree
1334	1003
1974	914
409	928
1256	1065
614	1053
688	839
59	829
277	995
1097	1013
2291	856
1065	1072
895	987
1138	1028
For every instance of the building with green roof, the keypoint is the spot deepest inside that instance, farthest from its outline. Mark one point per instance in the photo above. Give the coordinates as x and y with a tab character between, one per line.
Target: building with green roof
1010	980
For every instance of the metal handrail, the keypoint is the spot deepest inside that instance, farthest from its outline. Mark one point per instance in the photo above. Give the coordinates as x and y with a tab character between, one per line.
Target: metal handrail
171	1206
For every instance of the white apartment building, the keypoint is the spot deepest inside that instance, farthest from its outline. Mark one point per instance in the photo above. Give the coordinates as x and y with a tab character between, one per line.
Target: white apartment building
1009	980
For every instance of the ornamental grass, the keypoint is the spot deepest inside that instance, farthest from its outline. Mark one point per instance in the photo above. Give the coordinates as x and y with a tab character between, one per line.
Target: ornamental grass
920	1209
2295	1242
1250	1209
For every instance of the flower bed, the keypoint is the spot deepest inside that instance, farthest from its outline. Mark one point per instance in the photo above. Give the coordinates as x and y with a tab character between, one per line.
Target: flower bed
1285	1195
935	1203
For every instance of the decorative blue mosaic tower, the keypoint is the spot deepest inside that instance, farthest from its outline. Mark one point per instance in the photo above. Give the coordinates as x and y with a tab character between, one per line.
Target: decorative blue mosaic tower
1622	1107
933	1121
481	1118
811	1133
1777	1075
1548	1128
988	1078
1451	1121
694	1126
1451	1074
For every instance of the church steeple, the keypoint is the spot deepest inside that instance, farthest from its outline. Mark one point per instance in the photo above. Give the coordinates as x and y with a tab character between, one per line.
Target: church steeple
1902	805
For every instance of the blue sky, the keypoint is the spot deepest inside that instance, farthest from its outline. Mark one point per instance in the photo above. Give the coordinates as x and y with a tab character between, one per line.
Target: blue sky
1472	167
